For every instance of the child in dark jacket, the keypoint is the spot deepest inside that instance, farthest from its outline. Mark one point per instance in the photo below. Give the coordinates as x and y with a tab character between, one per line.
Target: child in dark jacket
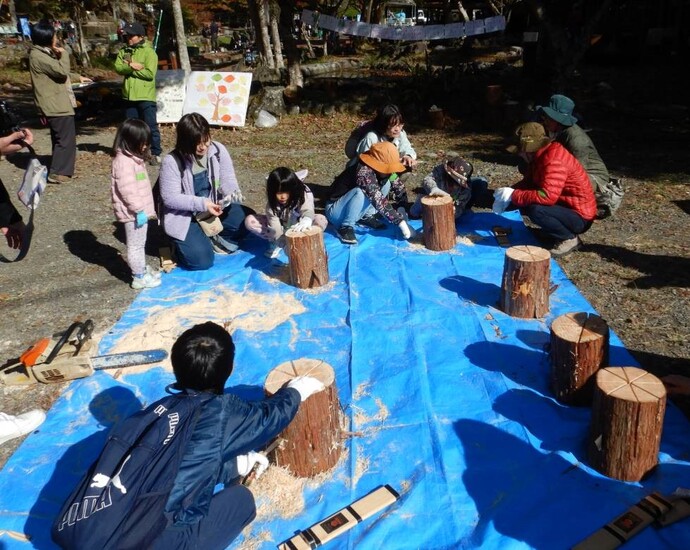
220	448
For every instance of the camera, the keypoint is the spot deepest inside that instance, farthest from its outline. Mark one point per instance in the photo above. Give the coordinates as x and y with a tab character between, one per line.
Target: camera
10	121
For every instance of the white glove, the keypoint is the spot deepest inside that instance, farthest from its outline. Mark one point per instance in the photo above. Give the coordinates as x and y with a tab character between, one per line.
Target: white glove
245	463
303	224
406	230
306	385
438	192
502	199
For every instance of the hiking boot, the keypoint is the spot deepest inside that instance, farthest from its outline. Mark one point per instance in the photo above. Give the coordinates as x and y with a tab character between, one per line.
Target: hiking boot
155	160
145	281
15	426
566	247
347	235
57	178
374	222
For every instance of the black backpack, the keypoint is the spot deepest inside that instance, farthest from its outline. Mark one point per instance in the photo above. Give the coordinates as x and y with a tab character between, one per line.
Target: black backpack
120	502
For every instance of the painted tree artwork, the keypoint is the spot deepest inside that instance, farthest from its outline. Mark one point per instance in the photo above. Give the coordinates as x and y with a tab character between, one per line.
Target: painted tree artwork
221	97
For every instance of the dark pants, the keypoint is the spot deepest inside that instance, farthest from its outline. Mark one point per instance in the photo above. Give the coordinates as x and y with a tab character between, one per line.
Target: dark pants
195	252
63	136
146	111
231	510
556	221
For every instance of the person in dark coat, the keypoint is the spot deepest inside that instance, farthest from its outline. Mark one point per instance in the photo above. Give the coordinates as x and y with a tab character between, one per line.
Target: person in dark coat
220	449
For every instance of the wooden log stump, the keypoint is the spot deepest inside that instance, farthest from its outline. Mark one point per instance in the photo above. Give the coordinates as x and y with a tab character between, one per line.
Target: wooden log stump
627	418
308	258
579	348
438	218
525	285
313	440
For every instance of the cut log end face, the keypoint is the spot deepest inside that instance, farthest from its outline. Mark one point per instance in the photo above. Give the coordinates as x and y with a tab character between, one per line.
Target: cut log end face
631	384
285	372
292	234
528	253
436	201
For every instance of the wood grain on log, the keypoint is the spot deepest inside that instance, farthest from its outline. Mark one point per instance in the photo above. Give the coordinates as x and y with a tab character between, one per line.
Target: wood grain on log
313	440
438	219
308	258
579	348
525	284
627	419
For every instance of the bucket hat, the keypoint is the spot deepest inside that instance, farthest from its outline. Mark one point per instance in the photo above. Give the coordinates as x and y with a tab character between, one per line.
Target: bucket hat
529	137
383	157
560	109
134	29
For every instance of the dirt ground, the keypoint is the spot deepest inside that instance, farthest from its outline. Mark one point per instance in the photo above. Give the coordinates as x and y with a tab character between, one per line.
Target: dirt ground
634	267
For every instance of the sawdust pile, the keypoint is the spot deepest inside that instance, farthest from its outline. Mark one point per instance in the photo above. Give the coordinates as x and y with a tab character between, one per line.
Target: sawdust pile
248	311
417	244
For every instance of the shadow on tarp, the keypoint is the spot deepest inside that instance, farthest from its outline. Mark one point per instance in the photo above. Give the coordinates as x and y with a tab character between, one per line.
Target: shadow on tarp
108	407
546	500
472	290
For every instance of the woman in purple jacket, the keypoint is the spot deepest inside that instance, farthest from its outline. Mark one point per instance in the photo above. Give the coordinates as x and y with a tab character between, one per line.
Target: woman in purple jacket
202	201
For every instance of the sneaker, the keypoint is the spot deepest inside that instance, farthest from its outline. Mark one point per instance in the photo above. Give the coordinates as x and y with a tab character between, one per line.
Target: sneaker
347	235
403	213
155	160
155	273
15	426
566	247
371	221
57	178
145	281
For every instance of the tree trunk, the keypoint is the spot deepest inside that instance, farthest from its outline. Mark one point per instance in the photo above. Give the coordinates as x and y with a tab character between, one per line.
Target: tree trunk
627	418
266	51
181	37
308	259
313	440
525	285
438	221
275	35
579	348
295	78
13	13
81	46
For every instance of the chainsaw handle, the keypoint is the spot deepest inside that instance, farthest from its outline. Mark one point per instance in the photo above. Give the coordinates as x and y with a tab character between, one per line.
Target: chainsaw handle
84	333
62	341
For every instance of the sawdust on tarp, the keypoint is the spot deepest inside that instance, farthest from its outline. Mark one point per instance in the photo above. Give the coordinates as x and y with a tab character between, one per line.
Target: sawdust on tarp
417	244
280	274
248	311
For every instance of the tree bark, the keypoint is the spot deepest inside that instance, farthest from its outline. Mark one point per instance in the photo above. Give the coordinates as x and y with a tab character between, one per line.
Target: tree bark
181	37
266	51
438	221
313	440
275	35
83	52
292	53
627	419
525	285
308	259
579	348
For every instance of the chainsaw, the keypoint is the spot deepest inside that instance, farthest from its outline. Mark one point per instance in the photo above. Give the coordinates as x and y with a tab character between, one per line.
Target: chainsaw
65	356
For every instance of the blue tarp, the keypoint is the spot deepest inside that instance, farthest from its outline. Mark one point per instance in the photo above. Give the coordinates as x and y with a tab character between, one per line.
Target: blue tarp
446	396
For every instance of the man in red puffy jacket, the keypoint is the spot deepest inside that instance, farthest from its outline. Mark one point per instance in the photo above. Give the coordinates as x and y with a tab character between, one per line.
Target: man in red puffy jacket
555	192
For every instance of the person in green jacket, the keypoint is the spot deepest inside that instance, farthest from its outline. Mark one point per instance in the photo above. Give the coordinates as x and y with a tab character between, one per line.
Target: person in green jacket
138	63
50	77
557	117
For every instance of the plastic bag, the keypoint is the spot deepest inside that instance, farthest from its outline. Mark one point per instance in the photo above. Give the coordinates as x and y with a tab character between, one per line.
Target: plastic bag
33	184
265	120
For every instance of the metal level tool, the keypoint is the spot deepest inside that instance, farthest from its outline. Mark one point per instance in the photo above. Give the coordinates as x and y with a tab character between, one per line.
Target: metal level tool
343	520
